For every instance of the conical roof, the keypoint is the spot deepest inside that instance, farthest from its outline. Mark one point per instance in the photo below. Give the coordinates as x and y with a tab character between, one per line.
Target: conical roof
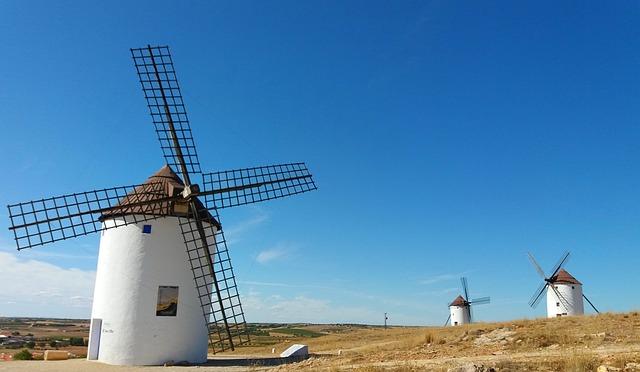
564	277
459	301
162	184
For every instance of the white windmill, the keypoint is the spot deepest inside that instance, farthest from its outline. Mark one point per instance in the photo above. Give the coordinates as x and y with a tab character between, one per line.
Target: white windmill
460	309
564	292
164	279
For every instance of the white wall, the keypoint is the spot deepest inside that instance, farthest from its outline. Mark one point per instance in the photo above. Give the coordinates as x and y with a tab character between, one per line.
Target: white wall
459	315
572	296
131	267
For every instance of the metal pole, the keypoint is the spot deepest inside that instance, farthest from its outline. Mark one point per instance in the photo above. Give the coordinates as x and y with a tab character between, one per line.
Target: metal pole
385	320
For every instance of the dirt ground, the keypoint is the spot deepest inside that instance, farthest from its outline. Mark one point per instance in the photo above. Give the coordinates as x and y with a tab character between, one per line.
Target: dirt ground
566	344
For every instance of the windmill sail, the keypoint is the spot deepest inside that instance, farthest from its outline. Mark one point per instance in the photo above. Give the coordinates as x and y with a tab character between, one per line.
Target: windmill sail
48	220
208	256
251	185
171	194
161	90
537	295
215	283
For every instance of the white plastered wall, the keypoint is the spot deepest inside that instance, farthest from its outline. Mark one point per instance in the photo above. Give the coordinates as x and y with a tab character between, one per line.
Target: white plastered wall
131	267
459	315
572	302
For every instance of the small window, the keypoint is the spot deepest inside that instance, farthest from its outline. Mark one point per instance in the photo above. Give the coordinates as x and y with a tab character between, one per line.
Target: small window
167	301
146	229
573	287
558	304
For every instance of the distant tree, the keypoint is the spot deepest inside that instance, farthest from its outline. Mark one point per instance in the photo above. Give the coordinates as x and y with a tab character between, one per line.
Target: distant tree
53	343
76	341
23	355
30	344
15	333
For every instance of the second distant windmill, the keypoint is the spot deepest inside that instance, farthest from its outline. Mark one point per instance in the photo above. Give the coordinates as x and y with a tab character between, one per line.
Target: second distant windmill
460	309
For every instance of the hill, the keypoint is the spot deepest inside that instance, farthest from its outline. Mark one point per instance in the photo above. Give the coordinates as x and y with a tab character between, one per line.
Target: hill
563	344
610	342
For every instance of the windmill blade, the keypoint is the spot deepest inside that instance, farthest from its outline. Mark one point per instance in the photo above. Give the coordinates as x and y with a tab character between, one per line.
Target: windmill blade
537	295
480	301
594	308
161	90
558	265
214	279
251	185
463	280
536	266
44	221
447	321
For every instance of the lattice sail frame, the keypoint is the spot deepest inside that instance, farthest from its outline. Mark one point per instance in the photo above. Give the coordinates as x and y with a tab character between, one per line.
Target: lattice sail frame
155	70
252	185
226	324
547	281
157	77
48	220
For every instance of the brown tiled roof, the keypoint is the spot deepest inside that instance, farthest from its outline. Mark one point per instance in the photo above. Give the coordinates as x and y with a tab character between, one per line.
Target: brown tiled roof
459	301
162	184
564	277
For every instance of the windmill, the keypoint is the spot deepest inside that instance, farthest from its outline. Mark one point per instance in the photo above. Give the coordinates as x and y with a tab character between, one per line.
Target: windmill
564	292
460	309
164	281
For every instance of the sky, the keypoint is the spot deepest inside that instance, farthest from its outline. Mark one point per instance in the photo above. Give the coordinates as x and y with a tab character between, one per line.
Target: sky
447	139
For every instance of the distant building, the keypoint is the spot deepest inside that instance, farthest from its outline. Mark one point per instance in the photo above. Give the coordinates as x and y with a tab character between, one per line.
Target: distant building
564	296
460	311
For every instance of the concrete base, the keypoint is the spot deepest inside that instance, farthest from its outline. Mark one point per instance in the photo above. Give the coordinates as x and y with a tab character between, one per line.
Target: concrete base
297	350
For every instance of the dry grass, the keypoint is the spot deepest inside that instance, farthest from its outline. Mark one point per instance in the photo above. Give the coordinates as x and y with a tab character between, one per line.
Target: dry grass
563	344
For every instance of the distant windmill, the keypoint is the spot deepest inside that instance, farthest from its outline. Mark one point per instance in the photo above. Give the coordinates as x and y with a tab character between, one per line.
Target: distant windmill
460	308
564	292
164	281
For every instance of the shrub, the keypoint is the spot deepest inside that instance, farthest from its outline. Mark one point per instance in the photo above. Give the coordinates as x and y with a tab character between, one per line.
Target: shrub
53	343
429	338
30	344
76	341
23	355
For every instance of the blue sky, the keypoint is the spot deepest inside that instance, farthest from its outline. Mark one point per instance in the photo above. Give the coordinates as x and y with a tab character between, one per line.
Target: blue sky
446	138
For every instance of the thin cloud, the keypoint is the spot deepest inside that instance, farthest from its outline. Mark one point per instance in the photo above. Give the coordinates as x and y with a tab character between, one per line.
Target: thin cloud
304	309
359	294
43	289
285	285
281	251
441	292
235	232
439	278
63	255
269	255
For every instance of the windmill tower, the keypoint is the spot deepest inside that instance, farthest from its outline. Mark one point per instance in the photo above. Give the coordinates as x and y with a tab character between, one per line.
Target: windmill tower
564	292
164	282
460	309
